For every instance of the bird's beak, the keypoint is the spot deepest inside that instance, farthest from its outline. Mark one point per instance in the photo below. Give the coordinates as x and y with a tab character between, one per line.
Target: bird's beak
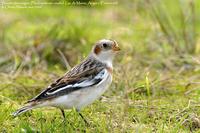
116	47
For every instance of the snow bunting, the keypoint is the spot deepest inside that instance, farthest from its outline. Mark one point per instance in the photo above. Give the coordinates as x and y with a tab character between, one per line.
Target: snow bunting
82	84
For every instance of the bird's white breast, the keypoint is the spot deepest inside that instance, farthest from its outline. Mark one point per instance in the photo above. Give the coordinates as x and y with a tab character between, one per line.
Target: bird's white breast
83	97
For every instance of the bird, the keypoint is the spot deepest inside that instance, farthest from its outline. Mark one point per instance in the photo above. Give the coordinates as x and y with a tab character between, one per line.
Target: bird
80	86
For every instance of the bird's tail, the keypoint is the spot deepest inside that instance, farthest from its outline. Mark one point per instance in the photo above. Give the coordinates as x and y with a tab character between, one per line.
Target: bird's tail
29	106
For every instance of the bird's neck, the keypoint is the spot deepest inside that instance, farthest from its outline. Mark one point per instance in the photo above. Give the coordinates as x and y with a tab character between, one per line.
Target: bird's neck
106	61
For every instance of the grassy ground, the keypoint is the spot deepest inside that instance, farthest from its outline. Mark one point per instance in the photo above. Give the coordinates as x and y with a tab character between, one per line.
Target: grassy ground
156	78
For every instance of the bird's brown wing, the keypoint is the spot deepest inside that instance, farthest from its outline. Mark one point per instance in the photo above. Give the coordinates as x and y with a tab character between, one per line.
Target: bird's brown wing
85	72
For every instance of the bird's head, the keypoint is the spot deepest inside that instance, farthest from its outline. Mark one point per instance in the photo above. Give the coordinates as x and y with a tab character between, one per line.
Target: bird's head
105	50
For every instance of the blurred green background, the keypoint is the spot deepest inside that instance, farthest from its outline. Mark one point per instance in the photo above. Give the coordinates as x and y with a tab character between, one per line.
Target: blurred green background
156	77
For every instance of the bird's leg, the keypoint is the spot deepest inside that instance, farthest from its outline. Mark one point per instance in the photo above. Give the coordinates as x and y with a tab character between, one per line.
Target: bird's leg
63	113
64	118
83	117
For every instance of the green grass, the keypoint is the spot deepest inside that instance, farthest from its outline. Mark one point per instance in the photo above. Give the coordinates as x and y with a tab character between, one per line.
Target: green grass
156	79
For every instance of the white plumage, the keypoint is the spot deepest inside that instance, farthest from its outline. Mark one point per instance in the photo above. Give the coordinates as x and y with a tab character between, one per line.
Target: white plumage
83	97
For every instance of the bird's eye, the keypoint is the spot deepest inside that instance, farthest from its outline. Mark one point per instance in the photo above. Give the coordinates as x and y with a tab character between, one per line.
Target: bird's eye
105	45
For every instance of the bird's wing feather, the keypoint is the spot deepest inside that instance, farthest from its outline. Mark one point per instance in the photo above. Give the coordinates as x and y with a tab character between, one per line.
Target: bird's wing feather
67	88
87	74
